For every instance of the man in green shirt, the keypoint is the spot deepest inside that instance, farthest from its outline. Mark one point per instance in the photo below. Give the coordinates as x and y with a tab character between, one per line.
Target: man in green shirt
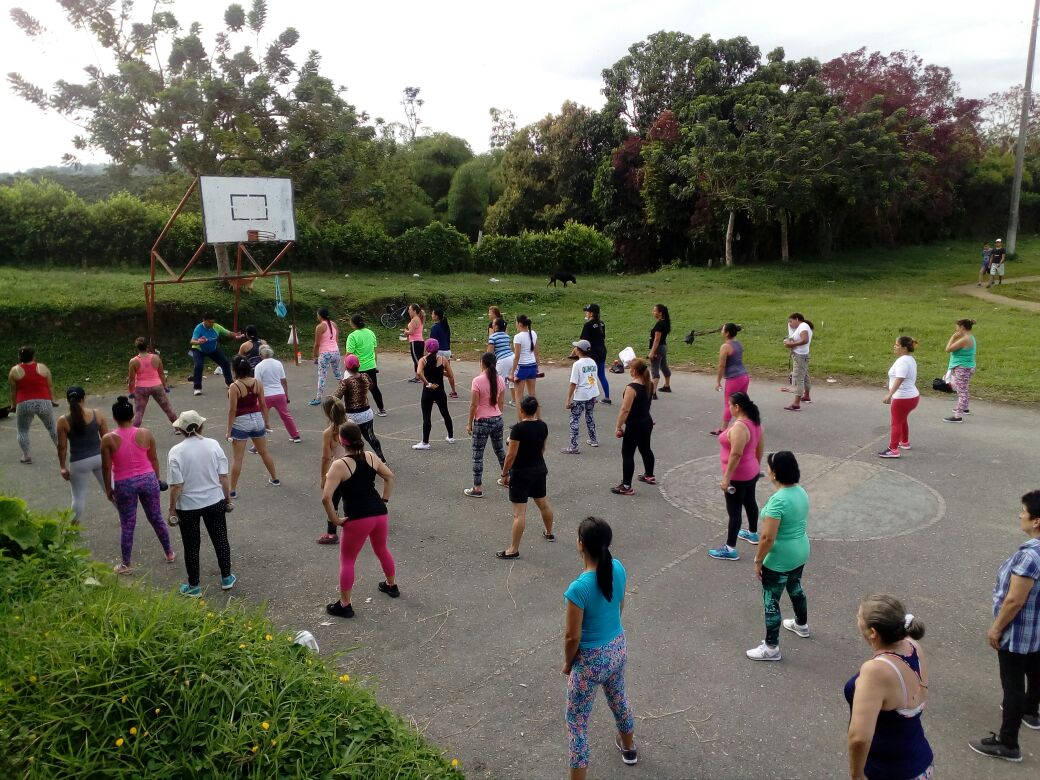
205	343
362	342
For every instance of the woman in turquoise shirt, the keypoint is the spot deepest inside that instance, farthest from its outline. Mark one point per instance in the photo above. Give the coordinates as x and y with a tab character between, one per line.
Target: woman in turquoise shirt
961	347
594	650
782	552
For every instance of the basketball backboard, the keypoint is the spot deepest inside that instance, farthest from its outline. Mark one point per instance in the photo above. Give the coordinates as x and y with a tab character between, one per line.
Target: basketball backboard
233	206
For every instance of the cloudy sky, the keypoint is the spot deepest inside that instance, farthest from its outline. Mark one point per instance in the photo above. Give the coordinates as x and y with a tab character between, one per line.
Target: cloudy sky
529	57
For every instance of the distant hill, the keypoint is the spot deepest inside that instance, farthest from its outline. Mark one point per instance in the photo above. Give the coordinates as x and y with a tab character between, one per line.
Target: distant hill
91	182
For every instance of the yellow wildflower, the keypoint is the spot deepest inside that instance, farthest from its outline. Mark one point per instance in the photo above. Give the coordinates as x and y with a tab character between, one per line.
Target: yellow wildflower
344	678
241	647
157	710
274	742
133	731
268	637
454	763
265	725
119	742
255	748
123	700
32	678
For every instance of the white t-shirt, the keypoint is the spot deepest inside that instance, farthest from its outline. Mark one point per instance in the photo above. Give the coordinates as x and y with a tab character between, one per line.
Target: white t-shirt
270	372
197	463
905	367
797	333
584	379
526	346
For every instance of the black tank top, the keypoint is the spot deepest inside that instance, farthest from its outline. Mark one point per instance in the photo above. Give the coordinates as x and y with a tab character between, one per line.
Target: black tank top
434	373
639	414
358	494
253	355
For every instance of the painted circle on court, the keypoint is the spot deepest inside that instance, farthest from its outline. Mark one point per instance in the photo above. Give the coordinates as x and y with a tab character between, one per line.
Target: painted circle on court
849	500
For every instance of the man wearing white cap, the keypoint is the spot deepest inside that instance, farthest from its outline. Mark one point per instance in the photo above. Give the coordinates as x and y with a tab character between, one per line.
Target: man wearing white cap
996	264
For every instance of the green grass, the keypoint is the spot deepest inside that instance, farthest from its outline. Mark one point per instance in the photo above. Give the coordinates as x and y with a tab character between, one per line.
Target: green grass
83	323
1026	291
116	681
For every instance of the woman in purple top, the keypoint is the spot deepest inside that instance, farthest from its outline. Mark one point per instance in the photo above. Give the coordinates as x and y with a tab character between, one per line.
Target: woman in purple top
731	368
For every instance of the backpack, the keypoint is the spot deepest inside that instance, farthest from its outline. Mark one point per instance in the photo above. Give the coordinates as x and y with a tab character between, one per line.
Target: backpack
942	386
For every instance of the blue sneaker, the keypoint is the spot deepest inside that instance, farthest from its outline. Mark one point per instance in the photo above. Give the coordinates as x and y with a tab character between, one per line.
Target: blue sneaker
747	536
191	591
228	582
725	553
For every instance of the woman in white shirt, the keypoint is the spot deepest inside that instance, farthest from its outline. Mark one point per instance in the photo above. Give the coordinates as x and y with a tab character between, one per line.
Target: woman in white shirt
903	395
524	372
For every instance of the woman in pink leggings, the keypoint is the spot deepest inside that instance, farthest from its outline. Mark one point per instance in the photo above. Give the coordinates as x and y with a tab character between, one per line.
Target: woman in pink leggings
351	481
732	370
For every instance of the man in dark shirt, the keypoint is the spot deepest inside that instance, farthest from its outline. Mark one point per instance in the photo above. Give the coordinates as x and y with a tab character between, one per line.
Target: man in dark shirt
996	264
524	473
595	332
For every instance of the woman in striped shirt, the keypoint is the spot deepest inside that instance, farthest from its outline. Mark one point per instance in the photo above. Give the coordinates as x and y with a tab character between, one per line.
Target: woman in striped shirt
501	344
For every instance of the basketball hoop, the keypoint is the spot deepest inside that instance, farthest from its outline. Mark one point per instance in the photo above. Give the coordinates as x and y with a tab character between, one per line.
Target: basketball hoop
253	236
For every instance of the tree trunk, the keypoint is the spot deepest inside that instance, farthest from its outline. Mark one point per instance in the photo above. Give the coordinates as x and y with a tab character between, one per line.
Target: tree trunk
729	237
223	260
785	253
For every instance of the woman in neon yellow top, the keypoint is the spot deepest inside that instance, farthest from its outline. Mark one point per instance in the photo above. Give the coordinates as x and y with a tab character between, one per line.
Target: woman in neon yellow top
961	347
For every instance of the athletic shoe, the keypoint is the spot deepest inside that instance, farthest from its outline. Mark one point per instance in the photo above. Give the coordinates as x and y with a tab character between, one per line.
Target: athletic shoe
253	450
473	493
381	413
233	494
171	556
1031	721
992	746
664	389
653	397
628	756
191	591
764	653
792	625
453	395
724	553
328	539
886	453
953	418
274	482
390	590
449	439
297	440
806	399
123	568
570	451
648	479
592	443
904	445
228	582
606	401
747	536
623	490
338	610
421	446
792	408
966	411
197	392
314	402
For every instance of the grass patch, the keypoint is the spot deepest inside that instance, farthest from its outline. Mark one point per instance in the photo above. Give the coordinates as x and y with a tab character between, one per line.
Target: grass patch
1026	291
116	681
83	322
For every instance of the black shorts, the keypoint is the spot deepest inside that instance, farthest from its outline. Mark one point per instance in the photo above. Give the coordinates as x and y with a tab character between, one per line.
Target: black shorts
525	484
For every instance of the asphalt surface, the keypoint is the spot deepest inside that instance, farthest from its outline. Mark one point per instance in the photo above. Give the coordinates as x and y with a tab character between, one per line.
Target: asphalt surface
472	650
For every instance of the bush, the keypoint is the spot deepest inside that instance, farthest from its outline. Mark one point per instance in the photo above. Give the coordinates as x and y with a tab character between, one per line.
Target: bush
575	247
436	247
359	244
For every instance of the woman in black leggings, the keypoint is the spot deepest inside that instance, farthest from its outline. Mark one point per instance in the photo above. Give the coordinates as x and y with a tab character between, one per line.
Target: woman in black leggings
634	428
432	371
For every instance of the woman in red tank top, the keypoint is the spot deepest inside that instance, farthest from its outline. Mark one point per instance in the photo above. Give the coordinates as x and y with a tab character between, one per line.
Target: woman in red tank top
247	421
32	395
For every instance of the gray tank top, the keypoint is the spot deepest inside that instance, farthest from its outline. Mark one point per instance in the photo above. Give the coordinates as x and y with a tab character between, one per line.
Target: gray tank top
86	444
735	361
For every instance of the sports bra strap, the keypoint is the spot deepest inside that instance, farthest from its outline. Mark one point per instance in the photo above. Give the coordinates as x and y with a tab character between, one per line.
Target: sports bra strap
902	683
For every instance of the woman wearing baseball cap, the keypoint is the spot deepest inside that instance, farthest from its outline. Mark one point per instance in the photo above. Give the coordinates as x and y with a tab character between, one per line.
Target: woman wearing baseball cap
431	371
595	332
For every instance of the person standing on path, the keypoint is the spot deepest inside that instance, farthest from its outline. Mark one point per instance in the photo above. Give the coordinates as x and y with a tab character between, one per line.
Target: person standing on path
130	469
524	371
205	343
799	337
1015	635
887	696
365	517
996	264
635	427
487	392
363	343
79	438
432	371
325	352
353	391
987	256
271	374
32	395
962	348
659	350
740	450
732	370
414	333
582	393
595	332
331	448
903	395
146	379
250	348
595	652
200	494
782	553
247	421
524	473
502	346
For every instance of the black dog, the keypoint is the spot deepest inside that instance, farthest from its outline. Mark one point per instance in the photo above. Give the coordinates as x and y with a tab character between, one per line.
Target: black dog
561	276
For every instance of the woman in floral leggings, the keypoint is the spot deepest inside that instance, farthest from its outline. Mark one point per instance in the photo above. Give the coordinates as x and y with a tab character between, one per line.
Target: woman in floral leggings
594	650
961	347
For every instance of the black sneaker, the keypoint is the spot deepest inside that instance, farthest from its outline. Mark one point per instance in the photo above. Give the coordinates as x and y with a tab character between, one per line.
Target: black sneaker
966	411
390	590
993	747
606	401
338	610
1031	721
628	756
953	419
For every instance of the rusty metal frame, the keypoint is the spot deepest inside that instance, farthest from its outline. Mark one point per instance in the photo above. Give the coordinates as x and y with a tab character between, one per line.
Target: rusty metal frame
156	259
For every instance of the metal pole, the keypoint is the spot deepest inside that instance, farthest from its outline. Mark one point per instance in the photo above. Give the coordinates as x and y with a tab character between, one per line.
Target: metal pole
1023	131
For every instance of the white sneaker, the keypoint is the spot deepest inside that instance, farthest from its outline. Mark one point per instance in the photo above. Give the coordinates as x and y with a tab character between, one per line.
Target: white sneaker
764	653
198	392
791	625
449	439
421	446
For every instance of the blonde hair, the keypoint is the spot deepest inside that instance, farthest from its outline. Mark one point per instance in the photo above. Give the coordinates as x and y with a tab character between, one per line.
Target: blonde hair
640	367
334	410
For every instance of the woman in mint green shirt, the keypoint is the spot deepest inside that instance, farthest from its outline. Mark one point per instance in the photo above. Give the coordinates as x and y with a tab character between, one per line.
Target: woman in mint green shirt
961	347
782	552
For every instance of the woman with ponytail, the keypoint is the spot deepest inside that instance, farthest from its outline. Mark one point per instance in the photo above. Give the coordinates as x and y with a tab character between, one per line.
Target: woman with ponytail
146	379
326	352
961	346
594	649
413	331
524	371
634	428
432	371
799	337
903	395
336	415
487	392
659	349
731	370
79	436
888	695
740	449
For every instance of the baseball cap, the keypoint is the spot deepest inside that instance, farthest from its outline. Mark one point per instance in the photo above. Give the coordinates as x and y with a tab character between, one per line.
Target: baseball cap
582	344
187	419
593	307
75	393
999	241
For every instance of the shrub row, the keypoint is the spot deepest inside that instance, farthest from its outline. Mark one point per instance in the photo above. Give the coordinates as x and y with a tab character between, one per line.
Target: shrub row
44	224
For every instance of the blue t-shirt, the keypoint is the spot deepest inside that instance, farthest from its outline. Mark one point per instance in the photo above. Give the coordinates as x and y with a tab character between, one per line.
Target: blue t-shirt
212	334
502	343
442	333
601	622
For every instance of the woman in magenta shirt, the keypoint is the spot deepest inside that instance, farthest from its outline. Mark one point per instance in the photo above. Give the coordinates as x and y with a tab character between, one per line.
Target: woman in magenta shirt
740	450
147	379
414	332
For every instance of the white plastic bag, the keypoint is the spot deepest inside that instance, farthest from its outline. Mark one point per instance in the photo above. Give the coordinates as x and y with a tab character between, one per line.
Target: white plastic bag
626	356
306	638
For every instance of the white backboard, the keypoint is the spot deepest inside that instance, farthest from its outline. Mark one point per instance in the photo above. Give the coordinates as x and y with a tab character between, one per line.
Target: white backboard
232	206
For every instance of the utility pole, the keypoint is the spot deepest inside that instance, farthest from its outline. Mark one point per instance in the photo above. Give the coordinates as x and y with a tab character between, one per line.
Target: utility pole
1023	131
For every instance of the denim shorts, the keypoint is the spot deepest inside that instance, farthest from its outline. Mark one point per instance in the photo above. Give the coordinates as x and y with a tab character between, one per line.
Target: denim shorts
248	426
529	371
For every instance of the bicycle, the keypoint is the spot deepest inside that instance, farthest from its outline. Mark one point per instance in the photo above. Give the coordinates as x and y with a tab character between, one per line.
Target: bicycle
394	316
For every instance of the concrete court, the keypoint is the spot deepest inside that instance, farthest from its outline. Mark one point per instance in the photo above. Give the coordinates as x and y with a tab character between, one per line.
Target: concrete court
472	650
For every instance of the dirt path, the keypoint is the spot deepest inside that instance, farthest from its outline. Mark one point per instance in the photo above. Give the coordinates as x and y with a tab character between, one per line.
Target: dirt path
986	295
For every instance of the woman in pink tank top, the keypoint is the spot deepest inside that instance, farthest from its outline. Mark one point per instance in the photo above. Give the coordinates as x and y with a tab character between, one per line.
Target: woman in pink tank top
740	450
147	379
131	472
326	351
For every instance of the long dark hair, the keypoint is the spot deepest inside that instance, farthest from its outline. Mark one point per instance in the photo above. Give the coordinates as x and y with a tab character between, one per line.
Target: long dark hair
524	320
240	366
326	316
352	440
500	325
743	402
665	317
596	536
443	320
800	318
141	344
966	324
122	410
731	329
490	366
77	420
640	367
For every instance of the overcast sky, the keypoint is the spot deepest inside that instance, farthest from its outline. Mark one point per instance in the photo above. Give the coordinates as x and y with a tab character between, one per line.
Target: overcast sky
529	57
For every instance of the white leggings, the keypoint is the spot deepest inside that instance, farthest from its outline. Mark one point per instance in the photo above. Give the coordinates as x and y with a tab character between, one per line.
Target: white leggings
79	478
